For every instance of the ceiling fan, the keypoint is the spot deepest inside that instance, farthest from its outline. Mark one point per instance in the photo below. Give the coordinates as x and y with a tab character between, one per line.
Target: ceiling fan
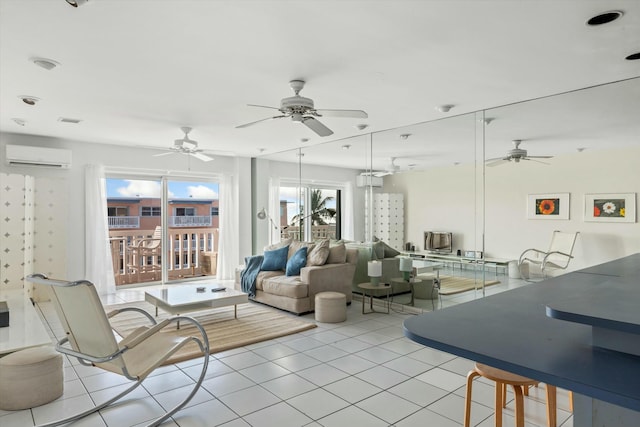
391	169
188	146
302	110
516	154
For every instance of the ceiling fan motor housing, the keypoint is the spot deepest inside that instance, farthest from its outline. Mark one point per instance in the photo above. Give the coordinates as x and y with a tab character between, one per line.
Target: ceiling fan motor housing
517	153
296	104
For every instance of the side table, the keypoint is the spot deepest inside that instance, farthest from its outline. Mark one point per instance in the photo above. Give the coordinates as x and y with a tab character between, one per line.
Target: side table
371	287
412	283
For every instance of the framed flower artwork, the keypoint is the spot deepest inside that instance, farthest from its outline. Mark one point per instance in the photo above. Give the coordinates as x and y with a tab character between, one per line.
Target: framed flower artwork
548	206
615	207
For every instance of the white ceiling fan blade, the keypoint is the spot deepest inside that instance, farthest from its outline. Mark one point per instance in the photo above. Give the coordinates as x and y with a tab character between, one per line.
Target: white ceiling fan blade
540	157
533	160
163	154
357	114
201	156
262	106
380	174
316	126
496	162
258	121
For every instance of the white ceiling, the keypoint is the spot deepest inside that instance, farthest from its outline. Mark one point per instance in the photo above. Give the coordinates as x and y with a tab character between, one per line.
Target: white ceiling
135	71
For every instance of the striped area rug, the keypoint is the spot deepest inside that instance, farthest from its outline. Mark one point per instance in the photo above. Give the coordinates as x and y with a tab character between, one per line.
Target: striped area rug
450	285
255	323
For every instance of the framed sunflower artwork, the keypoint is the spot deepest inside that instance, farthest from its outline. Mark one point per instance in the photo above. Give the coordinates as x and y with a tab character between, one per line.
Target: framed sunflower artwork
615	207
548	206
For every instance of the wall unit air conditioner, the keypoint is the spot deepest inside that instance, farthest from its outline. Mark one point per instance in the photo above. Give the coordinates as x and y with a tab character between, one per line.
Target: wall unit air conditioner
364	180
22	155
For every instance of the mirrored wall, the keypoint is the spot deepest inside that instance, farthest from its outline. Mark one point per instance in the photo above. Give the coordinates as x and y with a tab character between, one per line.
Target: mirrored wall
473	175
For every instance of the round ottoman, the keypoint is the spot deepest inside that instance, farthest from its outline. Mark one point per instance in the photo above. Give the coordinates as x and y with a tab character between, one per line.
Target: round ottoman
30	377
331	307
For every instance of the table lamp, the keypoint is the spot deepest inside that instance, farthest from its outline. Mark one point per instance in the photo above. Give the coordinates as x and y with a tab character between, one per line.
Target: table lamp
406	265
374	269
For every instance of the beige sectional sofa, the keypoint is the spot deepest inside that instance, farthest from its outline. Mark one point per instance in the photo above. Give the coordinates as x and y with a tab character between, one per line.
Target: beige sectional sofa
296	293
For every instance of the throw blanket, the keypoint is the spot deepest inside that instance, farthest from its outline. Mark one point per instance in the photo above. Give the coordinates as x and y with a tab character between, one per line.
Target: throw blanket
250	273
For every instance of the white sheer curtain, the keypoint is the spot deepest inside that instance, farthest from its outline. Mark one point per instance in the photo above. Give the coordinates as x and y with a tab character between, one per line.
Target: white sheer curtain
228	247
274	209
348	226
98	263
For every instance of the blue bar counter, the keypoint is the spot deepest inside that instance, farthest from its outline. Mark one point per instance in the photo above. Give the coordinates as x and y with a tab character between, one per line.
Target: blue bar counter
512	331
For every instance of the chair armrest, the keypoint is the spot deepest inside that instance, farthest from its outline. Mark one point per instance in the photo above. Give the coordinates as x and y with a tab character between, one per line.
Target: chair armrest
130	342
137	310
524	254
546	260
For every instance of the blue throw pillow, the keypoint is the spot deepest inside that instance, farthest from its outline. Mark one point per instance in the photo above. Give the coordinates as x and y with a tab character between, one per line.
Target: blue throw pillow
275	260
296	262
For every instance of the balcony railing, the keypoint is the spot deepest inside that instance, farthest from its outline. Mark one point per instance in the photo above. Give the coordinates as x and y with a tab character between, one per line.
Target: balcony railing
190	221
192	251
318	232
124	222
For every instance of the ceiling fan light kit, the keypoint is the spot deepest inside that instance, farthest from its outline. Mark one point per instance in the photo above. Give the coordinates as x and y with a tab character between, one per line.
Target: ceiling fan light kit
187	146
515	155
302	110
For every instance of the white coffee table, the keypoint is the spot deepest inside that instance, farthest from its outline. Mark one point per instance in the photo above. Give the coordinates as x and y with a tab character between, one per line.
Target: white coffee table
180	299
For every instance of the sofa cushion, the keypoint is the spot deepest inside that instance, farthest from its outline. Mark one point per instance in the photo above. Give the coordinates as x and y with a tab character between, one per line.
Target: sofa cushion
286	286
296	262
266	275
337	254
382	250
319	254
295	245
275	259
282	243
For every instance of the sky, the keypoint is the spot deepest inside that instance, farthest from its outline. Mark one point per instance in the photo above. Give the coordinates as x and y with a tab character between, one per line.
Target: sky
177	189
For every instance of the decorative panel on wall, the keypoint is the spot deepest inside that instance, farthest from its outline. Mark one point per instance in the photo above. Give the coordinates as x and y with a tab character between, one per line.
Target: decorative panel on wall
16	229
51	213
388	218
33	215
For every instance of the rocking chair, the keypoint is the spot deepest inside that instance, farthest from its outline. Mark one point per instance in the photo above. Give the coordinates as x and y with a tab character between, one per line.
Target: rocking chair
90	338
557	257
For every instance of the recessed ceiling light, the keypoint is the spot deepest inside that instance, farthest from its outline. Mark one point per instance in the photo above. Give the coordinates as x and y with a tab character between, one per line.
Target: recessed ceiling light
69	120
605	18
444	108
346	146
47	64
20	122
303	140
405	136
76	3
633	56
29	100
362	126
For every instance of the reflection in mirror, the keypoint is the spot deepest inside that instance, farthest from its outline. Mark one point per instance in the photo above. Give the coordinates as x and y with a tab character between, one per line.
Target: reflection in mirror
591	136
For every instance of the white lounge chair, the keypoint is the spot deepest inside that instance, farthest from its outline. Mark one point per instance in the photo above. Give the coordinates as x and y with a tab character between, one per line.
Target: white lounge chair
90	338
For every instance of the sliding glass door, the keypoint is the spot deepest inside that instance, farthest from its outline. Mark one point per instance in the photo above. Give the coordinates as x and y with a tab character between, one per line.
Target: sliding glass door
162	229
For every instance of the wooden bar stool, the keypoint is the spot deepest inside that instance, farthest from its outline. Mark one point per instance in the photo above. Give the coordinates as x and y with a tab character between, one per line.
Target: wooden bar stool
520	387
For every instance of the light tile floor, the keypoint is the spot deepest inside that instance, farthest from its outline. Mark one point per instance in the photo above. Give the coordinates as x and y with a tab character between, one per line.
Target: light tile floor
362	372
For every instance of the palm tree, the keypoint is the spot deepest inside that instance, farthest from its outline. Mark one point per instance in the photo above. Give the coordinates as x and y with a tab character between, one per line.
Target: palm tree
320	213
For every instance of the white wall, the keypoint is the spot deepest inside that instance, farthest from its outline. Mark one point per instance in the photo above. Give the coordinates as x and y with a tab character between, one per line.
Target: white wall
444	199
129	157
